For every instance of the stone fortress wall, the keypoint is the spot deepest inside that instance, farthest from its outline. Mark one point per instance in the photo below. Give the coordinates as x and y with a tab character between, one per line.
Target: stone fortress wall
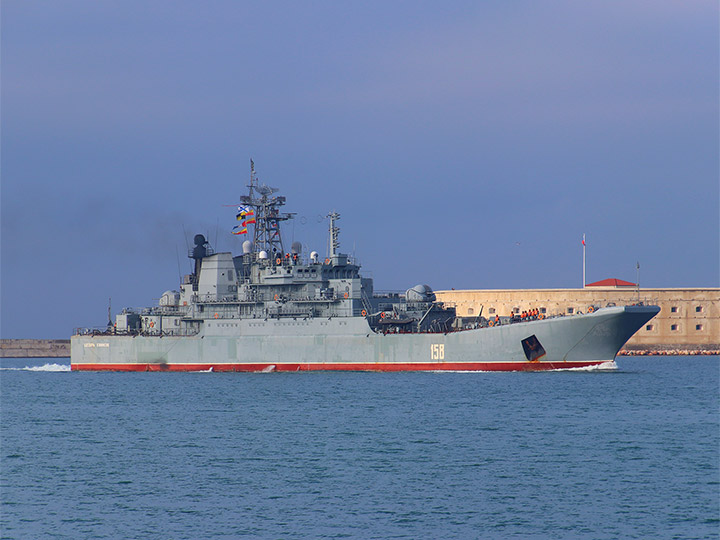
688	322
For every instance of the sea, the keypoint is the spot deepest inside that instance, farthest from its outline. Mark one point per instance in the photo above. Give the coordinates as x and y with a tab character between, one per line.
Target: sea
630	452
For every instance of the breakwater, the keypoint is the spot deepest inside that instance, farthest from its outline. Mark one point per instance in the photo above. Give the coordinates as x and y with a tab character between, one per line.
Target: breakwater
34	348
669	350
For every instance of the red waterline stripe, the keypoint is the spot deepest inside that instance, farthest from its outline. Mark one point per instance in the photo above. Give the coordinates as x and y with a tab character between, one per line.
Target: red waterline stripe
331	366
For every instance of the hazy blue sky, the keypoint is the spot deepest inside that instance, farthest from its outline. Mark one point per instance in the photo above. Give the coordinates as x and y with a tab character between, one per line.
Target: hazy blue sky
466	144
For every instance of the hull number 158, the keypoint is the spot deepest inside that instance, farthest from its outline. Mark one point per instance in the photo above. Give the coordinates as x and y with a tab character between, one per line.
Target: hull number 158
437	351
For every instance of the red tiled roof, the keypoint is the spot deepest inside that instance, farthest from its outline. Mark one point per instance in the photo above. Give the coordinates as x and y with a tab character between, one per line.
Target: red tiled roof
611	282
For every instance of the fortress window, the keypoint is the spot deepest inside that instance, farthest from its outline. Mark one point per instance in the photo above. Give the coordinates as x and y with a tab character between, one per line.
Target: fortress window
673	309
649	328
571	310
673	327
698	327
698	309
543	310
492	310
471	311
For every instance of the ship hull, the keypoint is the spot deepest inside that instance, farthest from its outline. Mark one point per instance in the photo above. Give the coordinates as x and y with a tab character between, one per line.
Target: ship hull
348	344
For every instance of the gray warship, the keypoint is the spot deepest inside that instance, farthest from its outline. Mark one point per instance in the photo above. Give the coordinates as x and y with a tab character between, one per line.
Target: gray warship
277	309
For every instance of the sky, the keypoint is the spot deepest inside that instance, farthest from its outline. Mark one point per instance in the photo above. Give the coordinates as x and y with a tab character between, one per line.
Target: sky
465	144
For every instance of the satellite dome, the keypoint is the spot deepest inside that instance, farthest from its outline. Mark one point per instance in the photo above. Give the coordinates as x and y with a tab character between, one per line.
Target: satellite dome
296	247
314	256
199	240
170	298
247	247
420	293
262	254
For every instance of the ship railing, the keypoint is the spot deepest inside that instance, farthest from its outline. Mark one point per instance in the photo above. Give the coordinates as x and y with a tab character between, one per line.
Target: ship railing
217	298
155	310
389	294
273	314
105	331
93	331
184	332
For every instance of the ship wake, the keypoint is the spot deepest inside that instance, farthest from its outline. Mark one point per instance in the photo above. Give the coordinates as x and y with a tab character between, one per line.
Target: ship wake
45	367
610	365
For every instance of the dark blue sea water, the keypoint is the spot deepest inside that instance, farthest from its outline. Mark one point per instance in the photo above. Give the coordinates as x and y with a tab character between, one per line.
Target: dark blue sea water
632	453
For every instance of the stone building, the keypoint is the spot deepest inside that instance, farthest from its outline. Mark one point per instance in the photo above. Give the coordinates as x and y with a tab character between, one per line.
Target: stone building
689	318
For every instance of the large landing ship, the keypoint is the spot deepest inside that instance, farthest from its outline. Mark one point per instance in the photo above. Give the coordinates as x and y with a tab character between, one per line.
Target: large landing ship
272	309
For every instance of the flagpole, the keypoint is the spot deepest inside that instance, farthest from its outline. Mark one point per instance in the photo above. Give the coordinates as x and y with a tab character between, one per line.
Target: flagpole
583	244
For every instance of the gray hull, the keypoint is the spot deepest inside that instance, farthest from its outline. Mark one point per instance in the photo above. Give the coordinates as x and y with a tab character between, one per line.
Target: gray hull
348	343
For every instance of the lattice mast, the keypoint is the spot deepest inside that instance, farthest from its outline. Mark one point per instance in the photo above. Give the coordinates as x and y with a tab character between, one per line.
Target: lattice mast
266	235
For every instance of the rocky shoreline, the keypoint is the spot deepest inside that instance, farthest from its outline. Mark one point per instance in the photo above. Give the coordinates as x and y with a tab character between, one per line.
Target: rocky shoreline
669	352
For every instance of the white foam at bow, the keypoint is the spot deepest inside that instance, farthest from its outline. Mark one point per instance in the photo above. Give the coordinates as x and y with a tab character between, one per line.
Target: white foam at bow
610	365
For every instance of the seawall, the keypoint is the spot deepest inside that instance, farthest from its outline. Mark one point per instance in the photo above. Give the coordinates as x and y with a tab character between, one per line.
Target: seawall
34	348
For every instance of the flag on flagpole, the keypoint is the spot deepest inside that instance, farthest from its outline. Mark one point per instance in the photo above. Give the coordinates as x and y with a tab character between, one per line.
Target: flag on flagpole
583	240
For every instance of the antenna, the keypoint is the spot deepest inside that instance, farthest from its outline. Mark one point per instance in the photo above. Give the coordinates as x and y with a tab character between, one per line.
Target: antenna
637	284
583	245
187	246
110	311
177	256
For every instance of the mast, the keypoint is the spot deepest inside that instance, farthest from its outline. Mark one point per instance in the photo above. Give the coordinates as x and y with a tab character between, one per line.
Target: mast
267	216
583	245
